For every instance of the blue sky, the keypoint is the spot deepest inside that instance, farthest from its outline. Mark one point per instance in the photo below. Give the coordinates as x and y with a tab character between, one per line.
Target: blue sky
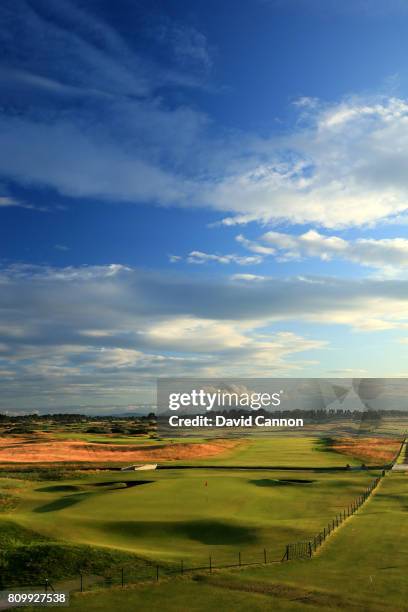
199	188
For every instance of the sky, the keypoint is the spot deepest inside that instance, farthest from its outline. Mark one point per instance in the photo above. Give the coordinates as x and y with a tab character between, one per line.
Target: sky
199	189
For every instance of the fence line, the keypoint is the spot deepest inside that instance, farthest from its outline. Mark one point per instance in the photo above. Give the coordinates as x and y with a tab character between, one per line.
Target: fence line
401	448
306	549
126	574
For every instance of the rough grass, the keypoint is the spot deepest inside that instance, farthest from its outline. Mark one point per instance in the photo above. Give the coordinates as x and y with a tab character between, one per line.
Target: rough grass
371	450
27	557
8	502
45	448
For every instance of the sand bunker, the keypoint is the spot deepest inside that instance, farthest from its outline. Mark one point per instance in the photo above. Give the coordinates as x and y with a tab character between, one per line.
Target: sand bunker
23	449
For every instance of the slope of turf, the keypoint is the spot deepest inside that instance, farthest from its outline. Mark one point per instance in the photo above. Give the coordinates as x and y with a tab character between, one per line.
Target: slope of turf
189	514
27	557
362	567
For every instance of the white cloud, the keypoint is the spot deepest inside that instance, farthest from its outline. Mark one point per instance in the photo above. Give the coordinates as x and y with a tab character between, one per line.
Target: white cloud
6	201
247	277
198	257
184	333
388	254
345	167
255	247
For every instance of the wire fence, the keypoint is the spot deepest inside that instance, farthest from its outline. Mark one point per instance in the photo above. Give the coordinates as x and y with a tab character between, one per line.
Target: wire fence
148	572
306	549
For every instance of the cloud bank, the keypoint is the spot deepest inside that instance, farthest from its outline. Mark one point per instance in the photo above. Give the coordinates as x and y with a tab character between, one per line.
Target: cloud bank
96	334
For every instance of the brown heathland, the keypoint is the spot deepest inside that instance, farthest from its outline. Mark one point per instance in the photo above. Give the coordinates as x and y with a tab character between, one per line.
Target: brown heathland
25	449
372	450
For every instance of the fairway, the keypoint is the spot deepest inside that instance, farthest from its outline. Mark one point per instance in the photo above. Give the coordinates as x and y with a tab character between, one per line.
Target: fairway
282	451
188	514
362	567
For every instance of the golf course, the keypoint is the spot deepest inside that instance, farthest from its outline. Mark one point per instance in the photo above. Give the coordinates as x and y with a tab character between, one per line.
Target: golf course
207	525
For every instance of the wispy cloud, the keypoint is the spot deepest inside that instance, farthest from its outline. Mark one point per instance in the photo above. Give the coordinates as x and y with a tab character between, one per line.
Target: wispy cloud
367	8
352	154
199	257
387	254
7	201
189	46
340	165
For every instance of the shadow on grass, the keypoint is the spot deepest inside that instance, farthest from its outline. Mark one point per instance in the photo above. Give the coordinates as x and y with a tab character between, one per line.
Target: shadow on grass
121	484
59	489
274	482
62	503
207	532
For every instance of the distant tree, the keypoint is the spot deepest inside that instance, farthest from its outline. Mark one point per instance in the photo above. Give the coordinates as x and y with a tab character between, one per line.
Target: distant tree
98	430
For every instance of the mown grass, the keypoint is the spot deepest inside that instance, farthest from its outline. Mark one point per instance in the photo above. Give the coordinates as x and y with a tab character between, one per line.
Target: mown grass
189	514
361	568
279	451
177	596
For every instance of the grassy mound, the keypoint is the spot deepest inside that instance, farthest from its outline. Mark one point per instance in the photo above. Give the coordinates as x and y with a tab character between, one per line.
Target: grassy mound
26	558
